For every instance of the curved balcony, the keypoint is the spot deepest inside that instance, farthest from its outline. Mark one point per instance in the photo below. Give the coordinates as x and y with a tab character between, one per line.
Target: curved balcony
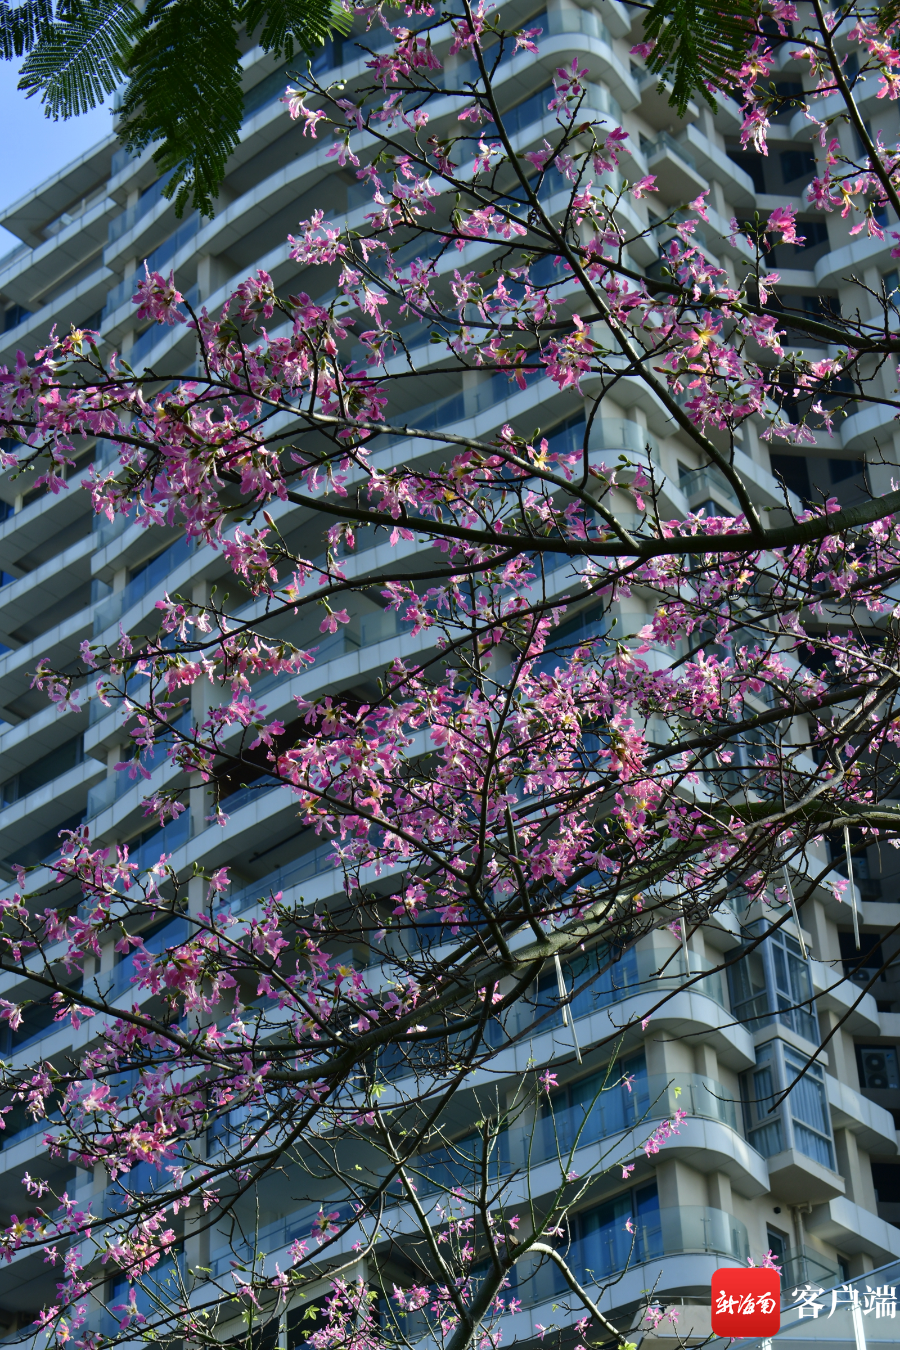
150	578
76	304
604	1247
528	121
713	161
479	410
599	1246
48	522
637	970
614	1117
105	794
44	591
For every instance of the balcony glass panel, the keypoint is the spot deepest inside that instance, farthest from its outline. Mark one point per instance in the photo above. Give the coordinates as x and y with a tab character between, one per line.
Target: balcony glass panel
148	199
149	578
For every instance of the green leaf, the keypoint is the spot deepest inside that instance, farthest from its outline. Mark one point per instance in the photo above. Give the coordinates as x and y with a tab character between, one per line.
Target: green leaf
80	59
289	25
698	43
182	58
22	26
185	90
887	15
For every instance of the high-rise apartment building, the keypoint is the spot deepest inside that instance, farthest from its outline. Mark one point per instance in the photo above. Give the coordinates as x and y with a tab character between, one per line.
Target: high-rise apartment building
817	1181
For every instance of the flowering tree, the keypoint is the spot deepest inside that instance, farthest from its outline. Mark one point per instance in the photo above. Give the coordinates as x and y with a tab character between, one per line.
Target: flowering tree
525	798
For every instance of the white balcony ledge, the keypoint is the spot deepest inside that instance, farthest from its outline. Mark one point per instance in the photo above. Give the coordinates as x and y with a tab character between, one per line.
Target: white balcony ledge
854	1230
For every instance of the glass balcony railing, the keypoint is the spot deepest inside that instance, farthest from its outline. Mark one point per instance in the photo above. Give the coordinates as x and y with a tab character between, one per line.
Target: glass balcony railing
598	1246
562	1129
152	336
280	1233
110	610
105	794
165	840
155	1291
637	971
121	293
608	433
167	250
249	793
666	142
104	530
21	1126
269	89
304	868
143	206
573	21
708	483
608	1249
120	160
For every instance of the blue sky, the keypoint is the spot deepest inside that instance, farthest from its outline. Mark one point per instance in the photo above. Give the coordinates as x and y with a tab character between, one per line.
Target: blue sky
32	147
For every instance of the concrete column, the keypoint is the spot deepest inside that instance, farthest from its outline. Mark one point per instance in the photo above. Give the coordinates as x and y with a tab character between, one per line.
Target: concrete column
848	1163
866	1186
718	1191
201	803
706	1061
197	891
825	946
840	1050
212	272
204	695
861	1264
679	1185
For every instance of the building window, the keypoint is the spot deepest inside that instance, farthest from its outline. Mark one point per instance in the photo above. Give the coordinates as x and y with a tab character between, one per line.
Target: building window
815	233
839	469
797	164
801	1120
886	1180
604	1244
793	471
778	1245
595	1107
877	1066
15	315
43	771
153	1291
771	983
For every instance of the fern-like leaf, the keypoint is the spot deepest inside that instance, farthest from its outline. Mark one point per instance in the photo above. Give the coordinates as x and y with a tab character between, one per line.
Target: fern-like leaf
185	90
699	43
182	59
289	25
81	57
888	16
21	26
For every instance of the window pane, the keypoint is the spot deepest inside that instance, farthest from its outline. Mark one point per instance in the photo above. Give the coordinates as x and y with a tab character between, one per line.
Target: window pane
808	1104
763	1093
798	972
605	1242
813	1145
769	1139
